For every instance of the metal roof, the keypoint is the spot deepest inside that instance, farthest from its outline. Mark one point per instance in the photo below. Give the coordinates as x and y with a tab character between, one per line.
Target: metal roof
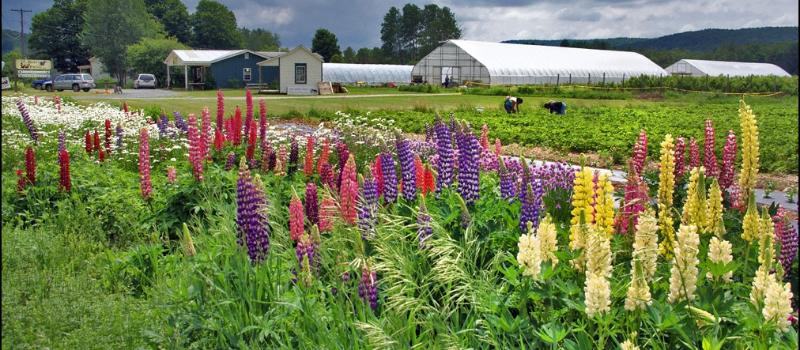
207	57
729	68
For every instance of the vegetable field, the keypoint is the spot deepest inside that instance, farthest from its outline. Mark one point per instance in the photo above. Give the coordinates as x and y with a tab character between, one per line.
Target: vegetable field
227	228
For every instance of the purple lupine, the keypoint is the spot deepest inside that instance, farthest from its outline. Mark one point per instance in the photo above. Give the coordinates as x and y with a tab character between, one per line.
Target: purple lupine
424	229
531	206
312	203
293	156
390	178
26	118
407	168
120	133
555	176
507	186
180	123
231	161
786	234
344	153
326	176
468	167
61	141
444	151
367	208
162	124
306	248
368	287
251	215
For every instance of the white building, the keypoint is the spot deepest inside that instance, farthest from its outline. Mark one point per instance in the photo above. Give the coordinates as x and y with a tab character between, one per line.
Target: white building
300	71
95	68
702	68
515	64
369	74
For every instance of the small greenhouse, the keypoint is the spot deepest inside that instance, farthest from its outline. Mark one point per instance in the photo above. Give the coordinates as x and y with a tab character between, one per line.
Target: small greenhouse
702	68
370	74
516	64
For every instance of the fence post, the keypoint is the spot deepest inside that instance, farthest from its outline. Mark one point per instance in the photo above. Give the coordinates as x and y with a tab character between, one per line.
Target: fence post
604	79
570	78
590	79
623	79
558	77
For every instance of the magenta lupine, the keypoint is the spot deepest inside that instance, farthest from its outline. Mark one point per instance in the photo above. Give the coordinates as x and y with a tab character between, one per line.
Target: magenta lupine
343	153
326	176
635	202
694	153
248	101
144	164
680	163
389	178
65	180
368	287
220	110
251	216
231	161
26	118
786	234
488	160
377	173
30	165
312	204
640	152
424	228
195	149
710	156
262	120
726	175
172	174
507	185
368	207
294	155
205	135
296	217
468	167
444	150
531	206
407	168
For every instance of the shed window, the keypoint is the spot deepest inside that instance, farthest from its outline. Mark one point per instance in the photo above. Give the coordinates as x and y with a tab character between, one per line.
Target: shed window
247	74
247	55
300	73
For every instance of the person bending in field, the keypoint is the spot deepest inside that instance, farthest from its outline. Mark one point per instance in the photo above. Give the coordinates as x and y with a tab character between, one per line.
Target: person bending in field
556	107
512	103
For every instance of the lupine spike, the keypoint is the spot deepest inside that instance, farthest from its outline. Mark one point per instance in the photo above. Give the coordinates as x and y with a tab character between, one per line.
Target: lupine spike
726	175
296	217
294	154
251	215
26	118
444	148
108	135
65	180
468	166
262	120
248	100
205	133
710	156
349	191
694	153
312	204
389	178
640	152
30	165
144	164
680	152
407	167
195	149
323	156
220	110
308	165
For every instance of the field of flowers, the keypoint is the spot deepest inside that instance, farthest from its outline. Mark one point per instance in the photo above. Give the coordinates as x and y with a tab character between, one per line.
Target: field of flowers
227	229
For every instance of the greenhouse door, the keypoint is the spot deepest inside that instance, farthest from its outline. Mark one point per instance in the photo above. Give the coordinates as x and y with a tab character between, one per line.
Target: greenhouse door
453	73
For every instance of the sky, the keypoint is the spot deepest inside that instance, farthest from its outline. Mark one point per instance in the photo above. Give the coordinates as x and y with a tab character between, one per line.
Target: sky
357	22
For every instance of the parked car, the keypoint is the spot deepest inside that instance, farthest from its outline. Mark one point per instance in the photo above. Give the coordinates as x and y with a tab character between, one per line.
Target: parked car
145	80
76	82
39	84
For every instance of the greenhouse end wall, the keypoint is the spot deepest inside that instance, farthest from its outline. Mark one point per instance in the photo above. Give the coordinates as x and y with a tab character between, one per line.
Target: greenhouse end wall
451	61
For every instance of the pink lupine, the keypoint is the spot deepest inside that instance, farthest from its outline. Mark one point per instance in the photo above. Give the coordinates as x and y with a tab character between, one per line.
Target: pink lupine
377	173
205	134
144	164
710	156
195	149
308	165
326	214
640	153
485	137
220	110
248	102
172	174
680	152
694	154
634	203
296	217
498	147
728	160
349	191
262	119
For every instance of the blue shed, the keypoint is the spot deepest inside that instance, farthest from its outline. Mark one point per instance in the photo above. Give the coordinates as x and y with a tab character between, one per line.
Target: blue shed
222	68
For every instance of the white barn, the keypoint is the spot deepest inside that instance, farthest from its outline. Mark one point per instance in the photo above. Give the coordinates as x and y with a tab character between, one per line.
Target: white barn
300	71
512	64
370	74
702	68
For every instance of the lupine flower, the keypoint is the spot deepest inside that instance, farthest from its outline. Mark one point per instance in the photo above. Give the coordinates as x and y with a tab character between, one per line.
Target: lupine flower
101	155
296	217
498	147
694	209
634	202
344	154
124	105
88	142
778	304
694	153
162	123
709	156
251	215
26	118
219	140
248	102
251	141
327	213
488	160
485	137
267	156
368	287
172	174
444	149
195	149
628	345
750	224
761	282
640	152
308	165
120	134
666	187
220	110
377	173
96	139
367	208
531	206
581	208
108	135
604	205
293	156
65	181
407	167
419	172
305	252
638	296
720	252
747	177
144	164
507	186
262	119
714	223
728	160
323	155
30	165
430	182
204	134
326	176
683	274
280	163
62	140
597	294
312	204
237	127
680	152
22	180
180	123
469	168
231	161
529	256
389	178
597	290
766	239
348	193
424	229
735	199
645	244
786	234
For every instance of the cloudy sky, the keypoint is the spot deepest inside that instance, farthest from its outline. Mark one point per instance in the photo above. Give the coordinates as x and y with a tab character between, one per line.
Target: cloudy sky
357	22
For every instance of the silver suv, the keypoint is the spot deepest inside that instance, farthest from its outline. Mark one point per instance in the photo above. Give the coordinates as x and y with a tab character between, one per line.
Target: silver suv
76	82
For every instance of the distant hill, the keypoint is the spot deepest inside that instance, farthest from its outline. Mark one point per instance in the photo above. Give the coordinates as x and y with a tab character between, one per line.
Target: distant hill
10	40
711	39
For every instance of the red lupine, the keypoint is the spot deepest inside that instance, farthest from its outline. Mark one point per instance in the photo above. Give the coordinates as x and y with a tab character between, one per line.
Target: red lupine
22	180
144	164
219	140
88	142
377	173
195	151
237	126
124	107
220	110
248	116
485	137
262	119
204	134
108	135
498	147
640	152
327	214
710	156
101	155
419	172
728	161
30	165
96	141
251	141
323	156
680	152
430	182
349	191
295	217
65	181
228	124
694	154
308	166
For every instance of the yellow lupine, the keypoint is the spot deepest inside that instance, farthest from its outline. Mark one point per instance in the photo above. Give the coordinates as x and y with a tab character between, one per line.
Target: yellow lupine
598	252
683	274
597	294
714	222
693	207
666	187
778	304
766	241
645	244
761	282
638	296
747	177
720	251
750	222
582	194
548	238
604	205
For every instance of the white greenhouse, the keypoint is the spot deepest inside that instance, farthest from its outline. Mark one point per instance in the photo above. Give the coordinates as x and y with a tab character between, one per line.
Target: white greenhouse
370	74
702	68
516	64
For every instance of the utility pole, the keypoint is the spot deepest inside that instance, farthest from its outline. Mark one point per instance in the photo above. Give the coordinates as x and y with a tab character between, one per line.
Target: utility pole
22	30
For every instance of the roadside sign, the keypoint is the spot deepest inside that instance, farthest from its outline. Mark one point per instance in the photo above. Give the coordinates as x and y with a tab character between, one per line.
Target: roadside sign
23	64
6	83
33	73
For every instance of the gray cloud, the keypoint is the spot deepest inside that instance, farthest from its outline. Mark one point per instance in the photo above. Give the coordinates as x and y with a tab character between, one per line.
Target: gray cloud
357	22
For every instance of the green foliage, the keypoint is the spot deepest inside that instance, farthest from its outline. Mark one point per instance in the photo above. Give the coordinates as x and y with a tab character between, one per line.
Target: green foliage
147	56
214	27
326	44
173	16
412	34
55	33
426	88
260	40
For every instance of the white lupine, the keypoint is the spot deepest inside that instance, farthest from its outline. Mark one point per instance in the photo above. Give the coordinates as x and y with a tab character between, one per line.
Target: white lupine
683	274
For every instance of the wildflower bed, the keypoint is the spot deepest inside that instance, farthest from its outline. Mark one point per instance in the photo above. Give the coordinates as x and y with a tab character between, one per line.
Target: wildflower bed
355	237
